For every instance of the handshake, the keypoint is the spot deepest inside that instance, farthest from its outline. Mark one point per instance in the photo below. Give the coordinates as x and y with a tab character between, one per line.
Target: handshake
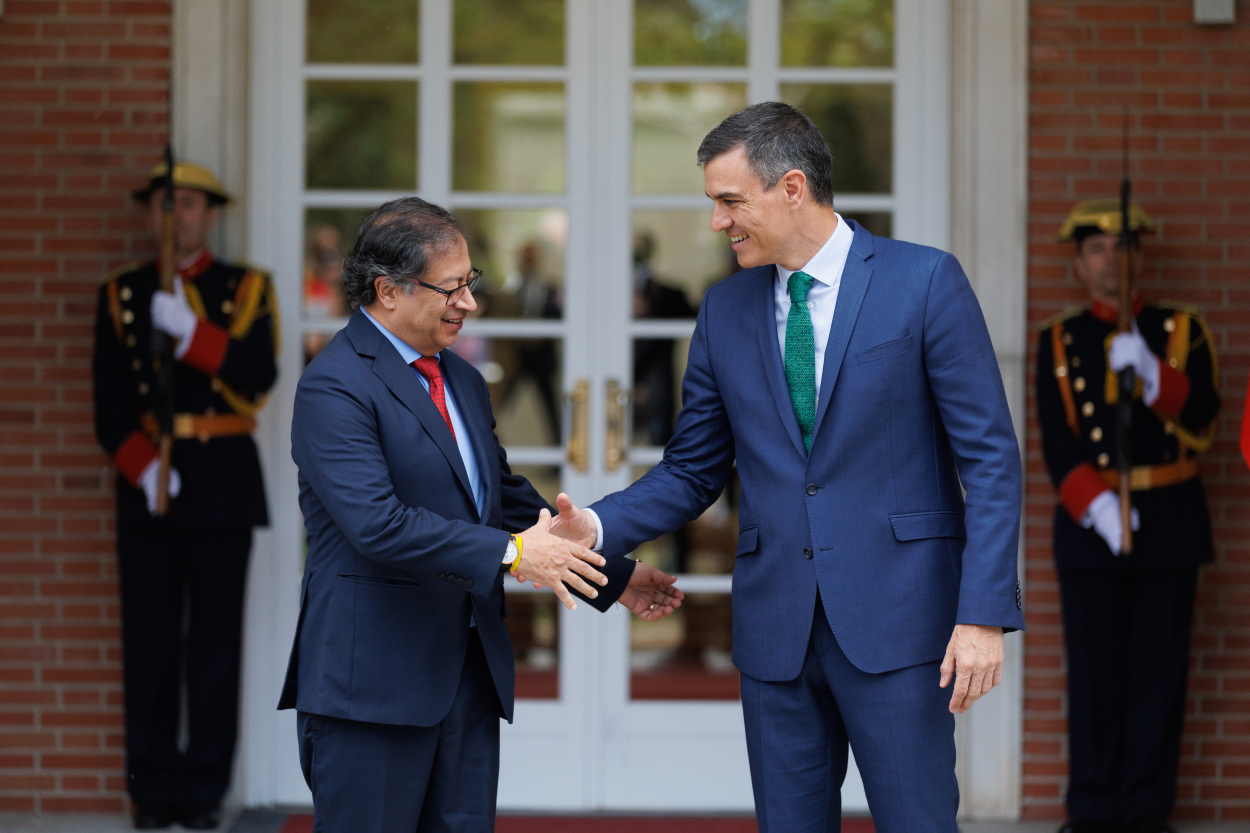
556	553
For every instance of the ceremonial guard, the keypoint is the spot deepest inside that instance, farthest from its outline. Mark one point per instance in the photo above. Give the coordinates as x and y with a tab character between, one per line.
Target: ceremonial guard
183	555
1127	604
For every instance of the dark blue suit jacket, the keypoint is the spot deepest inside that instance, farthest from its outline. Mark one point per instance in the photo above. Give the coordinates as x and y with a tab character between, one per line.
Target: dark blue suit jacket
911	407
399	562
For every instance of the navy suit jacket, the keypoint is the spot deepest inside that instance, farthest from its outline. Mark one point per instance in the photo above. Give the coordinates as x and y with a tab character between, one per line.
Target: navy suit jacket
911	408
399	561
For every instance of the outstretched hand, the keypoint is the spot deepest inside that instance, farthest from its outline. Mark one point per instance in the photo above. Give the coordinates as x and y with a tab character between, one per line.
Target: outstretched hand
551	561
652	594
572	523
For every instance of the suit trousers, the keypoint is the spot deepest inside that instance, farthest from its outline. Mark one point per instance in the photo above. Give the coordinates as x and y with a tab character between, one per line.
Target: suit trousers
897	723
182	617
375	778
1126	634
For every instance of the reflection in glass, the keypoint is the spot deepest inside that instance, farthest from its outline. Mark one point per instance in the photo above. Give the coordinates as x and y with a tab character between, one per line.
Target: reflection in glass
857	122
690	32
508	32
533	619
521	255
525	379
837	33
659	364
377	32
880	223
328	236
706	545
669	121
676	252
508	136
361	134
685	656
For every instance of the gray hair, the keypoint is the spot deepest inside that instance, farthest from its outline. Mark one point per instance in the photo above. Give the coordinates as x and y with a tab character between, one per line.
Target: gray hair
777	138
396	240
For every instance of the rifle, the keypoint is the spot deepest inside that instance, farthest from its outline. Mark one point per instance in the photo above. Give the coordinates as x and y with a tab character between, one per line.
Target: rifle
1126	378
162	344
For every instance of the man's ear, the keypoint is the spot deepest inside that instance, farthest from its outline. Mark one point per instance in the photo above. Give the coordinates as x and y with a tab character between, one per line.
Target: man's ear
384	288
794	185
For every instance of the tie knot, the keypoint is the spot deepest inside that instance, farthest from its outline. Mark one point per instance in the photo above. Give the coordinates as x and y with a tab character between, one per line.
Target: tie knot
428	367
800	283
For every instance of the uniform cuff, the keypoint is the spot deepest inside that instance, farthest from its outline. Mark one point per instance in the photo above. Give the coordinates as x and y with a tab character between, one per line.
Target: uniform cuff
1173	391
134	455
208	347
1079	488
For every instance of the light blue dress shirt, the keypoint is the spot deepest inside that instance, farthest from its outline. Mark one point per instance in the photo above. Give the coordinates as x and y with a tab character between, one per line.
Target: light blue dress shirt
463	441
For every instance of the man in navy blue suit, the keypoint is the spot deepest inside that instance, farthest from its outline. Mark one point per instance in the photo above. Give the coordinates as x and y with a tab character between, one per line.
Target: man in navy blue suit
401	666
852	380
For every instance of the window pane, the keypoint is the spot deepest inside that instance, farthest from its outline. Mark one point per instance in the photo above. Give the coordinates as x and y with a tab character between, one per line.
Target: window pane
508	32
361	134
521	255
508	137
690	32
857	121
328	236
837	33
879	223
676	258
659	364
669	121
705	546
526	383
533	619
685	656
377	32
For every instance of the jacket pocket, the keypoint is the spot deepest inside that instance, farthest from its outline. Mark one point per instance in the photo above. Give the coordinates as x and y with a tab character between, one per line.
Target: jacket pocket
380	581
914	526
748	540
885	349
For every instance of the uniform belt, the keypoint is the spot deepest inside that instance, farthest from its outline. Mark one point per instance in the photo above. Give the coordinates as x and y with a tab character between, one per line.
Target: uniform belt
204	426
1153	477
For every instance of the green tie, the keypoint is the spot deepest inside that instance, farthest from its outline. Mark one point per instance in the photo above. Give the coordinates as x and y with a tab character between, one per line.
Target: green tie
801	356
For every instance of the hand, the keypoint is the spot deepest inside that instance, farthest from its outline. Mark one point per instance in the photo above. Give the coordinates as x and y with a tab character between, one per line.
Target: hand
1103	515
1131	350
548	560
147	482
574	524
172	314
651	594
975	656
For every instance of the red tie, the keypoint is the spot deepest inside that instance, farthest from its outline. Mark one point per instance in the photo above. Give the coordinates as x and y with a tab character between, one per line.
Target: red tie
428	367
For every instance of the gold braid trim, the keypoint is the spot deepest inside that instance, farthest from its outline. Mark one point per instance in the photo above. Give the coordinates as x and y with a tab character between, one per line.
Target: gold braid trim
115	309
1179	348
1061	375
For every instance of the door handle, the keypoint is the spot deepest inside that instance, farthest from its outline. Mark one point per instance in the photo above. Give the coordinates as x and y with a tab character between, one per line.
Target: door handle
617	402
578	451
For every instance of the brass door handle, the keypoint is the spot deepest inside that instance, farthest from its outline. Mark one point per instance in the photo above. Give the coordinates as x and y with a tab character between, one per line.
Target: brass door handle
617	410
578	450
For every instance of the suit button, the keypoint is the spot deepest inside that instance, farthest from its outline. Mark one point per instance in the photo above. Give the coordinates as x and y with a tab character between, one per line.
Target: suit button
807	552
812	488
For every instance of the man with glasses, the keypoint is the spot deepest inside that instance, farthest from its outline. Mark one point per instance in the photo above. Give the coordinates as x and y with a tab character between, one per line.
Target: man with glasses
401	666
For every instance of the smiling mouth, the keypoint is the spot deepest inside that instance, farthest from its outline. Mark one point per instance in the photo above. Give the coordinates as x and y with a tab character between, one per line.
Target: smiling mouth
455	322
735	239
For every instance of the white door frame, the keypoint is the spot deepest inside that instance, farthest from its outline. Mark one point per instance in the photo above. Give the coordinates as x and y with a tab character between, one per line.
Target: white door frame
248	135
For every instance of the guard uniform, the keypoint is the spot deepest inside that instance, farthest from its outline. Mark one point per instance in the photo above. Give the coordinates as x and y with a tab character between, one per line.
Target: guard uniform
183	574
1126	618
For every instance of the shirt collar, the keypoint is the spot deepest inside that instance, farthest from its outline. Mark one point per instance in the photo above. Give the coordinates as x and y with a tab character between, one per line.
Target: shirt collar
405	352
826	265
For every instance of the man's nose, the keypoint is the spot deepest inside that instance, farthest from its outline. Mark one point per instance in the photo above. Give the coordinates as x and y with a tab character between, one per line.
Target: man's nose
720	219
465	300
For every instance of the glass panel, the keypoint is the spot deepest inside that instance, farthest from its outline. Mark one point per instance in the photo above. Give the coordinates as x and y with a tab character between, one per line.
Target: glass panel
669	121
533	619
690	32
685	656
521	255
659	364
676	258
508	32
508	137
328	236
857	120
837	33
377	32
526	385
879	223
361	134
706	545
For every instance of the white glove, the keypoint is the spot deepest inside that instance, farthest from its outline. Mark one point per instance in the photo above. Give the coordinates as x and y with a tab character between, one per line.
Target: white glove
1103	515
172	313
1130	350
147	481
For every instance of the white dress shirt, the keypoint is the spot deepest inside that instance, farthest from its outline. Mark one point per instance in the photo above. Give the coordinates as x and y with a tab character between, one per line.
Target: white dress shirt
826	267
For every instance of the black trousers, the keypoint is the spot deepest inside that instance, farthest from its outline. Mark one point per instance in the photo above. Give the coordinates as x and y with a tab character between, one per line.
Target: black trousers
1127	639
182	616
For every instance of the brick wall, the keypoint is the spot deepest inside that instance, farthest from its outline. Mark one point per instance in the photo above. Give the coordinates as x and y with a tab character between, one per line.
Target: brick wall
1188	90
82	118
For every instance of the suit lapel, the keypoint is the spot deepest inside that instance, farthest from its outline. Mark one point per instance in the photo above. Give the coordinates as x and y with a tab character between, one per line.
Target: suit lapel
855	278
766	330
475	414
402	382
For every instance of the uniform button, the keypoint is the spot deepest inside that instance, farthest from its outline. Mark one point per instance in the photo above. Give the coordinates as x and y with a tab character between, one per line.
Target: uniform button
125	293
812	488
1169	324
1078	383
1173	363
1088	409
135	364
1169	427
130	340
1104	460
227	306
143	388
1067	338
807	552
1076	361
128	317
215	384
1096	434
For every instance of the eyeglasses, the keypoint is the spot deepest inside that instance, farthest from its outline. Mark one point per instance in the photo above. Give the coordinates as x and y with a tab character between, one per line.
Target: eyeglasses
457	291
